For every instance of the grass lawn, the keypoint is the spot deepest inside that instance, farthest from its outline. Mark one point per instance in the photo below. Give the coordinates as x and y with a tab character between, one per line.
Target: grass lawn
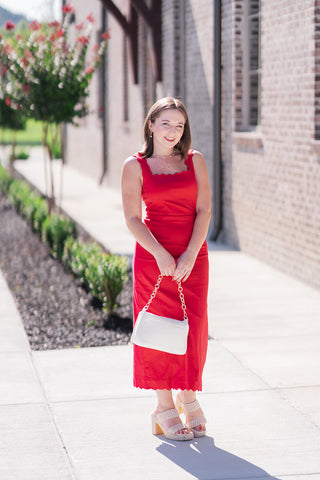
31	136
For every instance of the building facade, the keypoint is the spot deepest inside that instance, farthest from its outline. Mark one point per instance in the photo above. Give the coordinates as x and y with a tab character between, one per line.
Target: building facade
249	74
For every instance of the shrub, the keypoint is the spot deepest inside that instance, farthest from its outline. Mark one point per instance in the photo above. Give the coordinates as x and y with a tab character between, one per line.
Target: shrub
103	274
106	276
40	214
18	194
22	155
5	180
114	271
34	205
55	230
76	256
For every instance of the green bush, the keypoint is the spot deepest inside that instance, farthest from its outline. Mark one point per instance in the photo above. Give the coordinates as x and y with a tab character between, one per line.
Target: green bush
40	214
55	230
34	205
18	194
21	155
114	270
5	180
76	256
103	274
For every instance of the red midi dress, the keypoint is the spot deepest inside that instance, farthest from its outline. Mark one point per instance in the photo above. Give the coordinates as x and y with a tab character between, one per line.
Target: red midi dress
170	201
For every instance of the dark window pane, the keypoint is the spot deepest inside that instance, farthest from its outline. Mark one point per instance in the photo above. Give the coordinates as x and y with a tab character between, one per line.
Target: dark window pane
254	43
254	99
254	7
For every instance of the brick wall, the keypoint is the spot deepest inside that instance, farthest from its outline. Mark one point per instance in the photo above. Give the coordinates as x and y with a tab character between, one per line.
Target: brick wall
272	176
199	75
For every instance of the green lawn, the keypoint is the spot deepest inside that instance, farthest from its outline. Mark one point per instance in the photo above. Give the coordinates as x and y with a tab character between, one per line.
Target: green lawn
31	136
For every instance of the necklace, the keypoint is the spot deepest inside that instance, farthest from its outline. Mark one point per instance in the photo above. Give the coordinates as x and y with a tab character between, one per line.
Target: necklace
156	155
169	164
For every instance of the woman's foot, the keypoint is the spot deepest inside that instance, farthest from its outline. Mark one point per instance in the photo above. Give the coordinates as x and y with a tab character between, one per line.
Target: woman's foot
195	418
169	423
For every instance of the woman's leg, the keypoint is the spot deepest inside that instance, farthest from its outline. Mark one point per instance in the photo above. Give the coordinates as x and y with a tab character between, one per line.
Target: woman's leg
166	402
189	396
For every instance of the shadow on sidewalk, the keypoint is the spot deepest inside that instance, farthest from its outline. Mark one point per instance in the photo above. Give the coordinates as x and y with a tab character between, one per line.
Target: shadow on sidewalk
202	459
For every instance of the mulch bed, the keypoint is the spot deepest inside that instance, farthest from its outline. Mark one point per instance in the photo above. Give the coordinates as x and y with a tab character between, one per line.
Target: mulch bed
56	310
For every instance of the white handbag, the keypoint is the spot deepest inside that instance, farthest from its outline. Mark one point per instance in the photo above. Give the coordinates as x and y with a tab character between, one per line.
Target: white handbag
162	333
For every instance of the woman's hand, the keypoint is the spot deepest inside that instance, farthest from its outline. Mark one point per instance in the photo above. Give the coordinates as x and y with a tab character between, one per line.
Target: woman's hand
184	267
166	262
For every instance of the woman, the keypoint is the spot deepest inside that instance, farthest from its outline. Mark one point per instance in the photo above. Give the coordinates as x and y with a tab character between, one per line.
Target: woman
173	182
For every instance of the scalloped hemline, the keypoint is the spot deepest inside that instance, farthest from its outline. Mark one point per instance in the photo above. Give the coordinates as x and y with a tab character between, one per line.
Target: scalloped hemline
199	389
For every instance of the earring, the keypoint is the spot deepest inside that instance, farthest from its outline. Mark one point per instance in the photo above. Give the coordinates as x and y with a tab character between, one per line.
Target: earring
151	136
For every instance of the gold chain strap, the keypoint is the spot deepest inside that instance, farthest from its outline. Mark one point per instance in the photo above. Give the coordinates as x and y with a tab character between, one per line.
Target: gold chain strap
181	295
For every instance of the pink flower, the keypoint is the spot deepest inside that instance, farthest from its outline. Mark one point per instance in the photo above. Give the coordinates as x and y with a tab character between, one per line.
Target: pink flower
24	62
9	25
106	35
83	39
80	26
59	33
89	70
68	8
7	100
90	18
34	25
54	24
56	35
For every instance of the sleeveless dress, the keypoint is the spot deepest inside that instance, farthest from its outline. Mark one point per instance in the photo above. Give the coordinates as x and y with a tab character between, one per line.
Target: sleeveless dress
170	201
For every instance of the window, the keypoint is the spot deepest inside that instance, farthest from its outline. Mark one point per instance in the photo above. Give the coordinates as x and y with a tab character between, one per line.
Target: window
253	56
248	64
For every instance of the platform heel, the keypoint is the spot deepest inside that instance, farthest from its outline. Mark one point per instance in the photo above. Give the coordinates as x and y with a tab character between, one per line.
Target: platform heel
158	426
195	422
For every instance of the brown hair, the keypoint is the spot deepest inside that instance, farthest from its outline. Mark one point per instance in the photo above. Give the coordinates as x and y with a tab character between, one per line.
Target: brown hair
166	103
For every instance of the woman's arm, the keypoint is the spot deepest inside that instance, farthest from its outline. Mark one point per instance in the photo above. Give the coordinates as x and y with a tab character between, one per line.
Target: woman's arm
131	185
186	261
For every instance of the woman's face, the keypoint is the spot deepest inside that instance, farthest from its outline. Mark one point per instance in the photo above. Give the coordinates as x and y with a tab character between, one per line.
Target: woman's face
167	128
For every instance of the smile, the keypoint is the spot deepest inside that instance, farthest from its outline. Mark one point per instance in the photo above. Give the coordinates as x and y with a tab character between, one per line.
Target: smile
169	139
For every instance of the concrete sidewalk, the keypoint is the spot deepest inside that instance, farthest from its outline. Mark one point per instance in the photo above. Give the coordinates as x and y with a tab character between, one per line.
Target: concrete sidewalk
73	414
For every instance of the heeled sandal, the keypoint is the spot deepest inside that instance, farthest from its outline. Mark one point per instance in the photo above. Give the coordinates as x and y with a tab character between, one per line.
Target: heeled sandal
195	422
158	426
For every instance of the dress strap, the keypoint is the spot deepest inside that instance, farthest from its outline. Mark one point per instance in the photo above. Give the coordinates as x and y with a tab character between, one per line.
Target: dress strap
142	161
189	161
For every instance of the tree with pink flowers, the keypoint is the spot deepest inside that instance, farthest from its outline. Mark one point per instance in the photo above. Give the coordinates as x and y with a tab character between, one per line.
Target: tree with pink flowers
47	75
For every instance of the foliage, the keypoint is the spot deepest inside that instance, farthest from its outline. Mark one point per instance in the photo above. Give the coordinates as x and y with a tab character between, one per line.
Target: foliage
55	230
40	214
34	208
5	180
10	117
104	274
21	155
18	194
45	73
